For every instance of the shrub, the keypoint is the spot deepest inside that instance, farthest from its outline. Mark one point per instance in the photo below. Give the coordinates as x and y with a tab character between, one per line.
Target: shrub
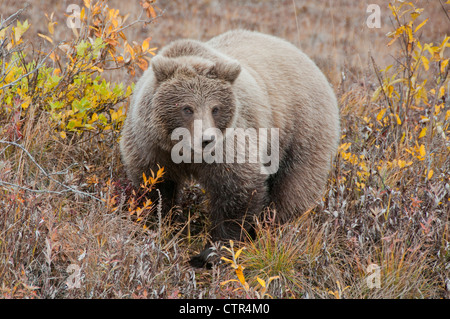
67	82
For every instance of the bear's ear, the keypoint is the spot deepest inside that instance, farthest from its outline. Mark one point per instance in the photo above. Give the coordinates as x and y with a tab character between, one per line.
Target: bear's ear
163	68
227	70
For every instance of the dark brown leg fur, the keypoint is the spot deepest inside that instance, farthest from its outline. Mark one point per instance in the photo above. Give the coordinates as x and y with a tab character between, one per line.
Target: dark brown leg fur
236	196
168	191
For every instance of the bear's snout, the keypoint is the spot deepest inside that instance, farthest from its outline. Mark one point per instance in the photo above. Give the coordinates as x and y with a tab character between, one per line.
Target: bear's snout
207	139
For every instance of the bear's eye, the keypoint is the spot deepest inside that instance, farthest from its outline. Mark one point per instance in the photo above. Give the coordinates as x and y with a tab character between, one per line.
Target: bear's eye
188	110
215	110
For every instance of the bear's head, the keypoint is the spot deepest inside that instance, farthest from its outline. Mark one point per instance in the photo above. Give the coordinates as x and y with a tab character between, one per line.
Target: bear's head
196	94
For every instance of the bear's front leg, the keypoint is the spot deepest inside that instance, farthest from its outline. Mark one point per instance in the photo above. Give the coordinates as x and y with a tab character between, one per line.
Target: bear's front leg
238	193
164	195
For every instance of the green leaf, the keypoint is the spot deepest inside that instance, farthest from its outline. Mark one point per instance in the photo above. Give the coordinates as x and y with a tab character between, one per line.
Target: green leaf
82	47
56	105
81	105
72	124
103	119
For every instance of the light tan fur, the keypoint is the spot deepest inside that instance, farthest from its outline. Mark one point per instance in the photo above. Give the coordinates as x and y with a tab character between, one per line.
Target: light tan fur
270	84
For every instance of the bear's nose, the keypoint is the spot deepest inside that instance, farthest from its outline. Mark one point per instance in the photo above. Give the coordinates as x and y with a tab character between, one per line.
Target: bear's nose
207	140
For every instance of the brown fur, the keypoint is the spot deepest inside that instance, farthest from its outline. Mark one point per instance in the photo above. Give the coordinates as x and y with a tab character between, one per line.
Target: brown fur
256	81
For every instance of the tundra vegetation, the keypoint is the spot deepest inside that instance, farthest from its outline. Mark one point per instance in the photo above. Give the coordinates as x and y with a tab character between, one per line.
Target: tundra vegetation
71	225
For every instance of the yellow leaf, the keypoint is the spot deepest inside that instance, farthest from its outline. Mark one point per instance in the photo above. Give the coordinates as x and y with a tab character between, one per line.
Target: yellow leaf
423	132
424	119
20	29
443	45
94	118
273	278
444	64
261	282
62	134
376	94
402	163
425	62
96	68
144	178
51	27
344	146
146	44
152	12
430	174
45	37
380	114
229	261
130	50
3	32
420	25
53	56
422	152
392	41
437	108
160	171
143	64
399	122
148	203
238	253
393	10
26	103
390	90
441	92
409	33
240	275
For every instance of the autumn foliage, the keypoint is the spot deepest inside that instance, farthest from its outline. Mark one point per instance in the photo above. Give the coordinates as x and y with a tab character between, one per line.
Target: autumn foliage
65	199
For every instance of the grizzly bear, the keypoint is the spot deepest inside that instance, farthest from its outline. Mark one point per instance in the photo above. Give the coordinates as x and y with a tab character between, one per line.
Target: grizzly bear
244	80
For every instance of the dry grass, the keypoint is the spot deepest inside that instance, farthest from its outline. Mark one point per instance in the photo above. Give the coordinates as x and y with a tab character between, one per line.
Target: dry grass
393	217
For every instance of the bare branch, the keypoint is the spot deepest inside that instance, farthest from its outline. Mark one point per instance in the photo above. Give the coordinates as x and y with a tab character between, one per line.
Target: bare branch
445	11
68	188
31	190
5	23
139	20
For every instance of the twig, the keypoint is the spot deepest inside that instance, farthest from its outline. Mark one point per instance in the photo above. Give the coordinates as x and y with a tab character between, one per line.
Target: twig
296	20
12	17
139	20
380	81
68	188
159	213
31	190
443	8
64	171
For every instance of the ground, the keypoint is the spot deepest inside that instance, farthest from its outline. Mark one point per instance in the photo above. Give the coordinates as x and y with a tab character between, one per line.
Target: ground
385	213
